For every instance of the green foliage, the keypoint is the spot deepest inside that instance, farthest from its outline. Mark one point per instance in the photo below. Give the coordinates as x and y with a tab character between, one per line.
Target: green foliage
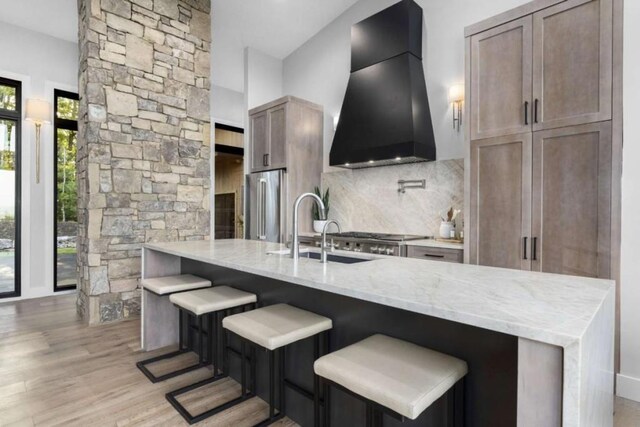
325	199
67	209
7	98
67	108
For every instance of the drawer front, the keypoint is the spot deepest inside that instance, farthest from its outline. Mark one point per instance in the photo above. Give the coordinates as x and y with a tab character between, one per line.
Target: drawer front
435	254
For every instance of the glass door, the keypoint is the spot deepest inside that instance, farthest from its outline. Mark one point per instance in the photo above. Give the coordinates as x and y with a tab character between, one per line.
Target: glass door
65	130
10	125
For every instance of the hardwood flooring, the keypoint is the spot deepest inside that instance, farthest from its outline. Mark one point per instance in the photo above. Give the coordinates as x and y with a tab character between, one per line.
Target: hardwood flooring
55	371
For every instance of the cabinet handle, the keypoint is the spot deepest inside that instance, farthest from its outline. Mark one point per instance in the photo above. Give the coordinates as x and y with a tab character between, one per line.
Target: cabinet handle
267	159
264	160
534	250
526	116
434	256
535	111
524	247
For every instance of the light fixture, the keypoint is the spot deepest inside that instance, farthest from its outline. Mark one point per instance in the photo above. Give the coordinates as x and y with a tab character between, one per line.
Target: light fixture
398	159
370	161
39	112
347	164
456	97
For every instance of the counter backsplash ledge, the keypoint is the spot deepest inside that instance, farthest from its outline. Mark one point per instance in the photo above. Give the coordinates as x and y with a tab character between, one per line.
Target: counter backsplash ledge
368	199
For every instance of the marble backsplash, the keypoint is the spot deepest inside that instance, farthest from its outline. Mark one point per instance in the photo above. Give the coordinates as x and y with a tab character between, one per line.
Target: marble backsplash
368	199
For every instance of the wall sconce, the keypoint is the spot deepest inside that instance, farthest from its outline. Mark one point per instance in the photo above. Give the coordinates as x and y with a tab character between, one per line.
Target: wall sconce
39	112
456	97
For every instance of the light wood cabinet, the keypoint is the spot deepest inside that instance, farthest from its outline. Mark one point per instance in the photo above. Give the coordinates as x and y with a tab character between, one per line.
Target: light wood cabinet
548	69
501	80
435	254
571	220
572	64
268	139
500	205
539	181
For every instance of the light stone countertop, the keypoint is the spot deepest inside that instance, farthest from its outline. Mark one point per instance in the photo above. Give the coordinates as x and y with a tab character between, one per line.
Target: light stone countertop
549	308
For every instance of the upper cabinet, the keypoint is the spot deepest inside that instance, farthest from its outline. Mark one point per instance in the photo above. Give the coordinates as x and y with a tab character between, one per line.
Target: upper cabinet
545	70
282	131
501	80
572	64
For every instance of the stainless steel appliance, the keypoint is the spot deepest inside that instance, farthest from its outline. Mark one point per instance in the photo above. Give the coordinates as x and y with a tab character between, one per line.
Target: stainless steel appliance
375	243
266	214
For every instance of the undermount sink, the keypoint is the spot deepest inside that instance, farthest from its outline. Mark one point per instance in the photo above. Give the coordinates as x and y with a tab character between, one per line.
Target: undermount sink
305	253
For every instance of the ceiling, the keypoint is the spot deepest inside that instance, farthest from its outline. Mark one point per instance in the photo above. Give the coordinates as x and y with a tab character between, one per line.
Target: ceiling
275	27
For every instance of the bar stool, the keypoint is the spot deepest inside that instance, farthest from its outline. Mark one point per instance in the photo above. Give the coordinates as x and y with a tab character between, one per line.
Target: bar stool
393	376
164	287
209	303
271	328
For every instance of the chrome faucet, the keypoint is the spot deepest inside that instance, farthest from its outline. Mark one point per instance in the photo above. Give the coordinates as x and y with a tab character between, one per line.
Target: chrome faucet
323	249
295	241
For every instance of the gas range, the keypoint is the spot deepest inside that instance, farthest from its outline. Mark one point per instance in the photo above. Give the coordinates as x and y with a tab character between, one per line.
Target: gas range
375	243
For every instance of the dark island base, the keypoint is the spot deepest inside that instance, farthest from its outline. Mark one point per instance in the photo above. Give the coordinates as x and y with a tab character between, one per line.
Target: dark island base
490	387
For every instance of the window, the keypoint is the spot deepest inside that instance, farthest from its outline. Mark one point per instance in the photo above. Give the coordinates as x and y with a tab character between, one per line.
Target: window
10	134
65	129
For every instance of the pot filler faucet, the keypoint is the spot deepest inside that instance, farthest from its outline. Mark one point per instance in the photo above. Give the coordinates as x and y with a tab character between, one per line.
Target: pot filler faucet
295	244
325	247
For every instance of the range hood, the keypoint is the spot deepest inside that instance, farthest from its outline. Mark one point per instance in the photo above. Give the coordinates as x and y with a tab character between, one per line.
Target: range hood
385	116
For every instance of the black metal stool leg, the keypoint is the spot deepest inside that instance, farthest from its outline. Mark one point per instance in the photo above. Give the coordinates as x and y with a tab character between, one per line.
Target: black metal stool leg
316	383
243	368
272	386
282	396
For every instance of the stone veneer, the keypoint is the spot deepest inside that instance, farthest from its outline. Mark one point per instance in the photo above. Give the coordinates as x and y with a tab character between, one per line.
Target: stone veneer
143	141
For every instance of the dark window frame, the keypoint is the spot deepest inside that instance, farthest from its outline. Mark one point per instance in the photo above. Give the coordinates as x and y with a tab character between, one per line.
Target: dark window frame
66	124
17	117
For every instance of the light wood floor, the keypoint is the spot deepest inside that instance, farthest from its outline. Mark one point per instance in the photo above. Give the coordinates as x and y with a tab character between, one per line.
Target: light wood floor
55	370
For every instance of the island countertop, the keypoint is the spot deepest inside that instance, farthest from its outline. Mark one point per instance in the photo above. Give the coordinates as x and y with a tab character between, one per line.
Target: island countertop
549	308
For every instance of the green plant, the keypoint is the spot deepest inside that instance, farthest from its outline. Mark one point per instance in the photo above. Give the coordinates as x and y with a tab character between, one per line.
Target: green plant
325	200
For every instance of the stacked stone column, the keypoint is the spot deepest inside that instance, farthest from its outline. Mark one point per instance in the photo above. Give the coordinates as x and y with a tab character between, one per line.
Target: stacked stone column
143	141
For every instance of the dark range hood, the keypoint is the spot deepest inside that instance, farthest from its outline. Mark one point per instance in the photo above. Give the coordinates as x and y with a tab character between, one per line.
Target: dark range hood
385	116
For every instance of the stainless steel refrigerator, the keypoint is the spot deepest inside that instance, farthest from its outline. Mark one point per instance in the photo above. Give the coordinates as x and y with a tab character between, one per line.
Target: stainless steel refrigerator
266	215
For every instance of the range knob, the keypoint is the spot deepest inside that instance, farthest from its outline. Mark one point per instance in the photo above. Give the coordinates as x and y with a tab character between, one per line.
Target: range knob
389	251
374	249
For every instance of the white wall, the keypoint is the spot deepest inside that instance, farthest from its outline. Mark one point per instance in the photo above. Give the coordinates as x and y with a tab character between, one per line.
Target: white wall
319	69
629	377
42	63
227	106
262	78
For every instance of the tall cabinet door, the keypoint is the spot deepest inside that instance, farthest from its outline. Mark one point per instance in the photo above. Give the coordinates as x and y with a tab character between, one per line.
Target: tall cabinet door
500	200
501	79
572	63
259	126
276	158
572	200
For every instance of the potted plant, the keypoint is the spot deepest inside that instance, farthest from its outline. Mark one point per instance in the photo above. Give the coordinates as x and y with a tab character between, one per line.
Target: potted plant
318	224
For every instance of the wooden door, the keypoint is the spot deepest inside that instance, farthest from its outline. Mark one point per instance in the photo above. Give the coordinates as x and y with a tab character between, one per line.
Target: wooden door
259	141
500	214
572	200
572	63
276	158
501	80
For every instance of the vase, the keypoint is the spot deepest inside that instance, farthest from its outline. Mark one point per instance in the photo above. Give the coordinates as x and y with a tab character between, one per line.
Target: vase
445	229
318	225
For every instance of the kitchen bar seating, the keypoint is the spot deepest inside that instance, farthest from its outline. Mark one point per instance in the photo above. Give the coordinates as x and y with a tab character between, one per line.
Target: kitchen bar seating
165	287
270	328
395	377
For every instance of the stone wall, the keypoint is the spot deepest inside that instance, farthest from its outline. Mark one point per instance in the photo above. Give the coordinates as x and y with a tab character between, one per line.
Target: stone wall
143	141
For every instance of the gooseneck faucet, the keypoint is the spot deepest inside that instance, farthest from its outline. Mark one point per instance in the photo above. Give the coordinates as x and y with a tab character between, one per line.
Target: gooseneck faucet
323	250
295	243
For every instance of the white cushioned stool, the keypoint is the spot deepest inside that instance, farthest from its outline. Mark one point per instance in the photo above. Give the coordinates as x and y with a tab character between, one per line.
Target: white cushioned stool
390	373
209	303
170	284
272	328
165	287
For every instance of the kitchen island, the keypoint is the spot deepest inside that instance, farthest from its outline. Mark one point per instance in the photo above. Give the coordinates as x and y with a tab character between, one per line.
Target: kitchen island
539	346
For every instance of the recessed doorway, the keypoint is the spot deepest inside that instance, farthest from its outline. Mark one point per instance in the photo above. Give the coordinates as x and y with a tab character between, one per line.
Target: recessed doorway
229	182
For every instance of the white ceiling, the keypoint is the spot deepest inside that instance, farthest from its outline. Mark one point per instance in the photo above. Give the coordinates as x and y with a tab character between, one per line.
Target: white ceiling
57	18
275	27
